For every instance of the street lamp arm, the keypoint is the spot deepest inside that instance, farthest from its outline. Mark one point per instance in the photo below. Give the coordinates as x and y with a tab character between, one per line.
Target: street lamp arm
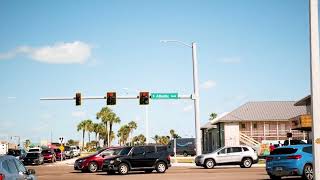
176	41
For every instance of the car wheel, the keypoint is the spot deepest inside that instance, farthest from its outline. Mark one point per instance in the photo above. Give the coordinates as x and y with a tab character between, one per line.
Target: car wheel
92	167
275	177
246	163
209	164
161	167
185	154
123	169
308	172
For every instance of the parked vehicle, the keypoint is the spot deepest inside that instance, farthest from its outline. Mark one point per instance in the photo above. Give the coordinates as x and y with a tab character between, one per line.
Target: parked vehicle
33	158
49	155
295	160
18	153
184	146
93	163
244	156
59	154
12	169
75	150
138	158
68	151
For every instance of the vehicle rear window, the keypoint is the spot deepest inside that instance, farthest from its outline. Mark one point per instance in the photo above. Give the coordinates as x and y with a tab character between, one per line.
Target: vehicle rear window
279	151
32	155
307	149
245	149
33	150
161	148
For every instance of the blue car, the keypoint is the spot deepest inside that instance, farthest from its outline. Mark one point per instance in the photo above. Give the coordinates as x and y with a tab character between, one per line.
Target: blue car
293	160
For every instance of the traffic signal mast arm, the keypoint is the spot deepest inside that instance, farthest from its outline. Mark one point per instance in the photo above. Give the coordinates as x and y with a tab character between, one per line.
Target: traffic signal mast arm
103	97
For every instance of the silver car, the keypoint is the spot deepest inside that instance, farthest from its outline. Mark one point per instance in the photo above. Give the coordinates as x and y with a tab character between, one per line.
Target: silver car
244	156
13	169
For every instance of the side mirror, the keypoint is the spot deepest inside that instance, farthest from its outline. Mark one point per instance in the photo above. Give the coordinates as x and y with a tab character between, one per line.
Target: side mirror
218	153
31	171
103	155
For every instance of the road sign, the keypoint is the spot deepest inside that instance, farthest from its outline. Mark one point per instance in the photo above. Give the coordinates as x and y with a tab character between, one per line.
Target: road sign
164	95
61	148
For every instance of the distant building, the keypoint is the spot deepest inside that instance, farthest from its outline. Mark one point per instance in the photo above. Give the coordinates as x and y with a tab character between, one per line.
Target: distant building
252	124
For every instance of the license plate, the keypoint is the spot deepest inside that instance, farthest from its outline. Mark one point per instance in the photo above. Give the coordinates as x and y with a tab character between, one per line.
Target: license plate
278	168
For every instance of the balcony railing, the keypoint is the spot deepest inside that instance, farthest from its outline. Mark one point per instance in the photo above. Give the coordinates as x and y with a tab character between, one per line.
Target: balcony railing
273	133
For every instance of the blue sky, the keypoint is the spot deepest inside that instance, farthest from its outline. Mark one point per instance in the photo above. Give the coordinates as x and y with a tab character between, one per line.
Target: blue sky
248	50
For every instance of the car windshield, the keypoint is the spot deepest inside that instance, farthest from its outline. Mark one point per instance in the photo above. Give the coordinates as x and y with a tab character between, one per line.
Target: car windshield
14	152
32	155
217	150
57	150
33	150
46	151
280	151
67	148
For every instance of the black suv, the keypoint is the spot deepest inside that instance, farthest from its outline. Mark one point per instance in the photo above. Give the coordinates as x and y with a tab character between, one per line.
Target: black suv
138	158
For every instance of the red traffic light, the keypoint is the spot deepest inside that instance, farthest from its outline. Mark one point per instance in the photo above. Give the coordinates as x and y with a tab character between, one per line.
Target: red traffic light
144	98
111	98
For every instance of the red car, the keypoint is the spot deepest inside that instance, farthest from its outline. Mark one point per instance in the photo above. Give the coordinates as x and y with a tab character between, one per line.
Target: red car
59	155
49	155
94	162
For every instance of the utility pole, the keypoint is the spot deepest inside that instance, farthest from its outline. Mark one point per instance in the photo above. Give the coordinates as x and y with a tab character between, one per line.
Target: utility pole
315	85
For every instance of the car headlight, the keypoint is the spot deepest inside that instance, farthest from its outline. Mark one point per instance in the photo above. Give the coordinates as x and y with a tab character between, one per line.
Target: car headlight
111	161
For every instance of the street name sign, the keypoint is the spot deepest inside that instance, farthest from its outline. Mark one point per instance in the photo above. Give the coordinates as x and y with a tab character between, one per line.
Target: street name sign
164	95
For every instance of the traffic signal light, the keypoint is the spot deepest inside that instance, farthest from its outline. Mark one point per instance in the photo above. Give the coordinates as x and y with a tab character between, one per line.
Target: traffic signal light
78	99
111	98
144	98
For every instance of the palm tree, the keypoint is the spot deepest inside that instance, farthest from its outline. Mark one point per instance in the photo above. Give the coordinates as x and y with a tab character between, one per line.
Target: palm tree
113	119
213	116
27	143
156	138
97	129
123	134
82	126
172	133
104	115
132	125
89	127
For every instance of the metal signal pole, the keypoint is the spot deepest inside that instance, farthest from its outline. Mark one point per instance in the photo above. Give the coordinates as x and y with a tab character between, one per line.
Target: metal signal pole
315	85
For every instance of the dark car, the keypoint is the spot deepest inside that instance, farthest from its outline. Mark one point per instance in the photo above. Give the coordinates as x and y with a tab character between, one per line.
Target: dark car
49	155
18	153
94	162
11	168
138	158
33	158
184	146
59	154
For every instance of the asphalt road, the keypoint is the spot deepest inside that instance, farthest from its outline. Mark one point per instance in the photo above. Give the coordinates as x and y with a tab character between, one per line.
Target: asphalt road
174	173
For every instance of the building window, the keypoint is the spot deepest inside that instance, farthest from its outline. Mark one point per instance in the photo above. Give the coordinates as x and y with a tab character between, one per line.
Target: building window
255	125
243	126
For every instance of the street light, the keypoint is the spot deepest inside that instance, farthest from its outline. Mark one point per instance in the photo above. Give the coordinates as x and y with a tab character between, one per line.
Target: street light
195	95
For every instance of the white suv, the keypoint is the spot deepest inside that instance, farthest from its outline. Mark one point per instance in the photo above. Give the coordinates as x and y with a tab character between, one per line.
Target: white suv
244	156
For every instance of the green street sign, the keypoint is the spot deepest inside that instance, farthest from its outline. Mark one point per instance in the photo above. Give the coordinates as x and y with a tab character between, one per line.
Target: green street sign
164	95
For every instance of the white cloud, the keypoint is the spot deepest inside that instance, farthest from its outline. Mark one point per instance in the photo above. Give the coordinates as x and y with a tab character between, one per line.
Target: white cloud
230	60
188	108
76	52
208	84
79	114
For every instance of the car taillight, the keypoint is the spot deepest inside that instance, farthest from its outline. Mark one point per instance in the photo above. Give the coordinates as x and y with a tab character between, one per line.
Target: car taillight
1	176
269	158
168	158
294	157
